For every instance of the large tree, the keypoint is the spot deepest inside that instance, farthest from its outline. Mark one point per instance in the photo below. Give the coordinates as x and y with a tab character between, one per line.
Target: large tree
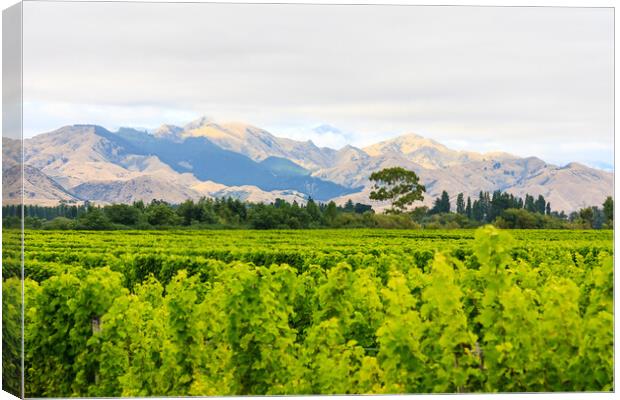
397	184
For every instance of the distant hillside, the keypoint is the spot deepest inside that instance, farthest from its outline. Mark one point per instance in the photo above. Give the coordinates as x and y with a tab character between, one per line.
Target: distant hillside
38	188
207	158
85	156
567	188
256	143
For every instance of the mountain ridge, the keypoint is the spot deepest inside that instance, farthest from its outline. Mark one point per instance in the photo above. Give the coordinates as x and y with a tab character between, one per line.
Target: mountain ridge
252	163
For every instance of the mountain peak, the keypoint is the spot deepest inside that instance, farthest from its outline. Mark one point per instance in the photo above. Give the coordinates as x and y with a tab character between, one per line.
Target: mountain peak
167	130
197	123
404	144
68	131
84	127
93	126
575	165
412	135
417	139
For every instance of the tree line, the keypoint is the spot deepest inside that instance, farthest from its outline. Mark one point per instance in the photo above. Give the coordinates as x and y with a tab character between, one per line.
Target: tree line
402	187
502	209
506	210
219	213
399	186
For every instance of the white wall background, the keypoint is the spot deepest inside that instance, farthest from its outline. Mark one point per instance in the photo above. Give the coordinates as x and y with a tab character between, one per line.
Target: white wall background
590	3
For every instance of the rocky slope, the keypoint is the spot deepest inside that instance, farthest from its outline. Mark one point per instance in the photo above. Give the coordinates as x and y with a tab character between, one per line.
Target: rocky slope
38	188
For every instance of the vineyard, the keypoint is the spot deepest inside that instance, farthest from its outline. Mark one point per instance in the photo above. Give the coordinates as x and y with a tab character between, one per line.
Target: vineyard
153	313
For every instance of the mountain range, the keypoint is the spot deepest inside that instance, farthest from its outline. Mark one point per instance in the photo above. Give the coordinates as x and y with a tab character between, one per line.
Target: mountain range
207	158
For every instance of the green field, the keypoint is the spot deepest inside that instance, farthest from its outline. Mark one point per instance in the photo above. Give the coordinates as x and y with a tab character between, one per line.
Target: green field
140	313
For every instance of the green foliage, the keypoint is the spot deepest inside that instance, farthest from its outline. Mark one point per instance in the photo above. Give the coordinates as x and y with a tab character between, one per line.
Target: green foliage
12	336
178	313
587	217
447	221
63	209
397	184
122	214
400	338
608	210
59	223
161	215
514	218
93	219
61	314
502	209
442	204
460	204
449	338
390	221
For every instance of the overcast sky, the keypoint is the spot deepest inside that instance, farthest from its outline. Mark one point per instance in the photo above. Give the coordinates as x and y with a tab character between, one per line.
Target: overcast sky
531	81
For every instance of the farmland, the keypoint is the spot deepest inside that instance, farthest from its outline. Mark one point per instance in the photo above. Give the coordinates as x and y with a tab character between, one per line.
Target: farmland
145	313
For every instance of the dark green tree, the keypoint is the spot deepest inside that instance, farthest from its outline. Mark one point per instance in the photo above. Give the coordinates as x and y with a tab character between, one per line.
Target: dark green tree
349	206
362	208
540	204
208	213
94	219
314	211
331	212
441	204
397	184
160	214
477	212
262	216
598	218
608	210
514	218
586	215
529	203
122	214
190	211
460	204
445	202
139	205
60	223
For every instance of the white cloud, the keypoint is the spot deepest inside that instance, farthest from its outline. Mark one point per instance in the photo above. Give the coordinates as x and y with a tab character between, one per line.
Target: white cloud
524	79
52	115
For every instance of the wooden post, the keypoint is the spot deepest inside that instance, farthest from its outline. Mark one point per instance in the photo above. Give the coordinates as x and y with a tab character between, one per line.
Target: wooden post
95	325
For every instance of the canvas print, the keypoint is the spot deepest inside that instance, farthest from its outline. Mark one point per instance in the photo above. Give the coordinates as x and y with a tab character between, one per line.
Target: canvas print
283	199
